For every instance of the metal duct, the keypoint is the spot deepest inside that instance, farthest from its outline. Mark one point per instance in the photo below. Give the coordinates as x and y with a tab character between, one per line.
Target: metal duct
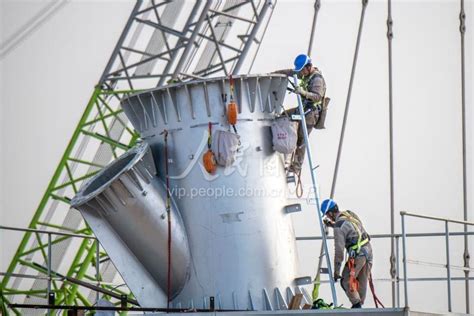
240	236
124	205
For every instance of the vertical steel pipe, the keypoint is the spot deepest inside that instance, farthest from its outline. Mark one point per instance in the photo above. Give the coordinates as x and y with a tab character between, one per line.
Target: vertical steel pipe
316	194
393	268
398	270
49	270
466	256
448	267
404	249
49	264
97	268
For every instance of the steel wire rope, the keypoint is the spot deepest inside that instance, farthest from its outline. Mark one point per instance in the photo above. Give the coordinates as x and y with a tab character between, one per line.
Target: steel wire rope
348	100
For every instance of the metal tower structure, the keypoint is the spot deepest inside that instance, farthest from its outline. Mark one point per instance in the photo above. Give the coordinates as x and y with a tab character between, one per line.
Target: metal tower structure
155	48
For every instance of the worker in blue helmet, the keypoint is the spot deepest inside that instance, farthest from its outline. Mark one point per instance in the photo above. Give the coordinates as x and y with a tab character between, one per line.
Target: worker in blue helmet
349	234
312	89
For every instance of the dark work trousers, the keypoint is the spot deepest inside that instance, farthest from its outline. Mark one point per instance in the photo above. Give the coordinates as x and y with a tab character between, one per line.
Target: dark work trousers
311	120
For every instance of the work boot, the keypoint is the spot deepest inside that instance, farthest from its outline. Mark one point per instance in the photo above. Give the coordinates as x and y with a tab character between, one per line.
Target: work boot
357	305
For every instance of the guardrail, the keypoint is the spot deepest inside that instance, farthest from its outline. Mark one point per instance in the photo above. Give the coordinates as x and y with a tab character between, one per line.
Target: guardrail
405	279
448	265
404	235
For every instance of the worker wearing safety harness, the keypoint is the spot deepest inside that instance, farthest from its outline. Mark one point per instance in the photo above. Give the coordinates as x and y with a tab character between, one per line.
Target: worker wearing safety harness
349	233
312	89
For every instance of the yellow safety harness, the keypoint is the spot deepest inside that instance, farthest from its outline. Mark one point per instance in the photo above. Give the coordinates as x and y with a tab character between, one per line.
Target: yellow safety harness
346	215
304	83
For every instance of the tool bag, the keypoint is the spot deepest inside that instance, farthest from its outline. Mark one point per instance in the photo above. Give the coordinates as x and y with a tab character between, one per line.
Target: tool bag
322	114
284	135
225	145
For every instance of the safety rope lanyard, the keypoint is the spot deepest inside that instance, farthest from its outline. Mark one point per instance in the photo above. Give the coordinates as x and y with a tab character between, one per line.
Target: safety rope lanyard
168	213
372	289
299	184
353	282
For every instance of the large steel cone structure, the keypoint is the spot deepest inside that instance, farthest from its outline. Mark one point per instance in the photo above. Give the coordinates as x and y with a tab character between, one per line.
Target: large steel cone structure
232	232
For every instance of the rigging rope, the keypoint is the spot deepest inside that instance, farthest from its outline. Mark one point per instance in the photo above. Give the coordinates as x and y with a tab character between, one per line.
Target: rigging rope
348	100
317	6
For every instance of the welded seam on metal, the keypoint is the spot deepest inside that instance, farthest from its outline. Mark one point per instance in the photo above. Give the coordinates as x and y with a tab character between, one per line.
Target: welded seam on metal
393	268
317	6
348	100
466	256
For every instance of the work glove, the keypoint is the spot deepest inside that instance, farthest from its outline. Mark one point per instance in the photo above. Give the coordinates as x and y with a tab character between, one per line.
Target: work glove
328	222
301	91
337	276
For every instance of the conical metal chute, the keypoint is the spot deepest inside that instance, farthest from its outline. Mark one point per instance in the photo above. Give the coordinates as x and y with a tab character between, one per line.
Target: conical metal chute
124	204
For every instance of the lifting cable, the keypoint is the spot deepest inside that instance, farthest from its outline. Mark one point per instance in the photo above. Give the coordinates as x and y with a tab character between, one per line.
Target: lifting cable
349	92
168	213
317	6
393	269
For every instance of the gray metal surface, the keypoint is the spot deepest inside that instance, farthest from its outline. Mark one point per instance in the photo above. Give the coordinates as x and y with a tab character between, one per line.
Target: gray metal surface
242	243
336	312
124	205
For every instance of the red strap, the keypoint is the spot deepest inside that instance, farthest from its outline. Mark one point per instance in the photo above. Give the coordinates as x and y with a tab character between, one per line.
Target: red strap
372	289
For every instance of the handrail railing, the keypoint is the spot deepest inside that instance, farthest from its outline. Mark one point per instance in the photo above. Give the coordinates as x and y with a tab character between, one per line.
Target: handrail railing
403	235
448	265
39	231
50	293
441	219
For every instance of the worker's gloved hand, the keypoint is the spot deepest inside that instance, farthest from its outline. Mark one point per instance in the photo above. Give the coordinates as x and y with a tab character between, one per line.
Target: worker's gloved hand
301	91
337	276
328	222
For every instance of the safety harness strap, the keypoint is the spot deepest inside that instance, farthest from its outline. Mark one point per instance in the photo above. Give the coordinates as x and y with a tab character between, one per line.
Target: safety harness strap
355	223
304	83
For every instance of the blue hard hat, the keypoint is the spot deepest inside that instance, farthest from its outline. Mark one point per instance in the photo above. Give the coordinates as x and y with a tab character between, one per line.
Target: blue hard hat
328	205
301	61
